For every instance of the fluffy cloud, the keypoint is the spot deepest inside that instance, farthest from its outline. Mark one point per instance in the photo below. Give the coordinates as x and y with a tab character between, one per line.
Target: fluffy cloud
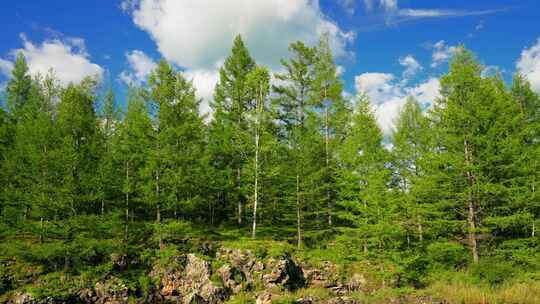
388	95
197	34
441	53
411	66
5	67
140	66
67	58
204	80
529	65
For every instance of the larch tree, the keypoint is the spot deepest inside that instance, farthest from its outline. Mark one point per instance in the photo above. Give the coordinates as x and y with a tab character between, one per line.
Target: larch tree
410	144
363	178
327	96
294	106
132	143
231	102
476	147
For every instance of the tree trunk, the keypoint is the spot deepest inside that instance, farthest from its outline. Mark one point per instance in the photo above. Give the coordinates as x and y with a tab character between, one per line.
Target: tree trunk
256	186
158	212
420	229
327	141
471	217
256	192
298	220
239	188
41	230
127	203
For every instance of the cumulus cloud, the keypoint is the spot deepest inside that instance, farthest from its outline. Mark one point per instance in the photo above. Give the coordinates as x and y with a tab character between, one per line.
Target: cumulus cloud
68	59
412	66
5	67
388	95
204	80
197	34
441	53
529	65
140	66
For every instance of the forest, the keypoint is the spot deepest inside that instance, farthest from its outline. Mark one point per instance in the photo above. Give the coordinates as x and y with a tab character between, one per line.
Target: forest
286	164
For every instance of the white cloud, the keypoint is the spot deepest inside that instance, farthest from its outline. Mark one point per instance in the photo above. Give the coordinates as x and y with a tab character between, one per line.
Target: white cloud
368	4
5	67
197	34
68	58
388	95
340	70
529	65
394	14
349	6
204	80
491	70
411	66
389	5
140	66
441	53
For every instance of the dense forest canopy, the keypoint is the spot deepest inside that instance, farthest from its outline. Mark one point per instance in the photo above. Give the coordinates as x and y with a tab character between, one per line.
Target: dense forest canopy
285	157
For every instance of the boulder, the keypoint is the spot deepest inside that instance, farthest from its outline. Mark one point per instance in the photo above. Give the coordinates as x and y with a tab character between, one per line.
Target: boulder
264	298
232	278
324	276
357	282
284	272
119	261
187	280
111	291
21	298
242	260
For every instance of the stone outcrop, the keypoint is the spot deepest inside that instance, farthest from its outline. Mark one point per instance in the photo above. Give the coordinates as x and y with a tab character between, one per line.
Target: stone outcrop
324	276
190	279
187	280
283	272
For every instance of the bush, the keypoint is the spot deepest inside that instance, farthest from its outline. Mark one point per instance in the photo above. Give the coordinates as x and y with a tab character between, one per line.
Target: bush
494	271
447	255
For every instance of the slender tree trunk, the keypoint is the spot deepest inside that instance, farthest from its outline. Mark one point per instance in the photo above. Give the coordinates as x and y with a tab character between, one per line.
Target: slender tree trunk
327	150
256	186
41	230
127	202
256	192
158	212
420	229
239	188
298	219
471	217
102	207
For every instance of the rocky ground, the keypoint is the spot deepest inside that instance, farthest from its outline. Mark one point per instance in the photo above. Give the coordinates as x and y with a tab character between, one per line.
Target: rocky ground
190	278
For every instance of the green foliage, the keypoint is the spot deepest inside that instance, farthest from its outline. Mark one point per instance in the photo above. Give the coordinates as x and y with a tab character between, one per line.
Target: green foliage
447	254
456	198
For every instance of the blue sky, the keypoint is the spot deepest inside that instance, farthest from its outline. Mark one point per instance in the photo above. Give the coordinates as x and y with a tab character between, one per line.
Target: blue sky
386	48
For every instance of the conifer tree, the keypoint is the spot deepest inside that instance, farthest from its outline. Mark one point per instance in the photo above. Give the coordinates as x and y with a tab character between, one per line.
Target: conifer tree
132	143
410	144
327	96
231	102
363	178
294	112
19	88
109	118
475	149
